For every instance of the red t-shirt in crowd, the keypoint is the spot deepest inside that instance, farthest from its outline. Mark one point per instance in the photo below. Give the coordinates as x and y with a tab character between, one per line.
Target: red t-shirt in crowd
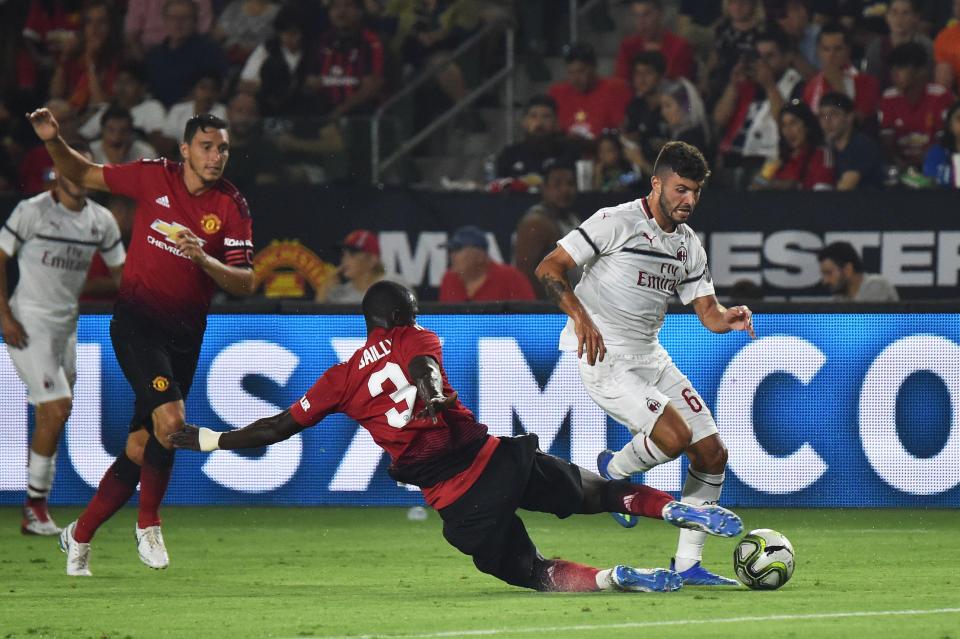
914	126
863	89
373	388
676	51
812	167
159	280
588	114
35	163
504	283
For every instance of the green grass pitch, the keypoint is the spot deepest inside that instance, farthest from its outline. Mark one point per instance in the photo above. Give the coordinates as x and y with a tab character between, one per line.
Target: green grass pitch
337	572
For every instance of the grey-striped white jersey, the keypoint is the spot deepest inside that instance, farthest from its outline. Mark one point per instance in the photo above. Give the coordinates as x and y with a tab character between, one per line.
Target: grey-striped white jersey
54	247
631	269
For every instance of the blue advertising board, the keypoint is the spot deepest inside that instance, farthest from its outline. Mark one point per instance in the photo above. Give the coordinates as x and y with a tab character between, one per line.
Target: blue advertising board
822	410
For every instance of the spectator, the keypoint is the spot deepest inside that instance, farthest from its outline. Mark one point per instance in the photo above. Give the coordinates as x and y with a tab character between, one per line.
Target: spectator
792	17
277	69
650	35
546	222
86	73
946	50
912	110
51	27
130	92
474	277
745	291
204	98
34	166
349	71
645	131
837	74
542	142
145	25
803	163
360	267
588	104
841	270
612	171
684	114
243	26
746	114
903	21
172	64
942	163
734	38
253	157
117	144
857	157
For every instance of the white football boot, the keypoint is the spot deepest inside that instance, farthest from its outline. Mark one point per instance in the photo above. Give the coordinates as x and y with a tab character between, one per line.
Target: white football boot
37	520
78	554
150	545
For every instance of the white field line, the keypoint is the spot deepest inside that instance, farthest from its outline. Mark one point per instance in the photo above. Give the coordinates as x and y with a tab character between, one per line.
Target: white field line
492	632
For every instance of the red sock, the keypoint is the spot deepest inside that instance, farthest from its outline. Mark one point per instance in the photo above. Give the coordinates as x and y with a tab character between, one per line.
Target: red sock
560	575
646	501
154	477
116	488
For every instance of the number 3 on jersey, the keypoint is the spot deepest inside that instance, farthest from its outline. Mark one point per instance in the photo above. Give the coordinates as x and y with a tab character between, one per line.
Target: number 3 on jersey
406	392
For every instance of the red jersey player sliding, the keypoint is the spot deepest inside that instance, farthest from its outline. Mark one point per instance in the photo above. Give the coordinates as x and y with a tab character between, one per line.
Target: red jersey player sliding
192	234
396	388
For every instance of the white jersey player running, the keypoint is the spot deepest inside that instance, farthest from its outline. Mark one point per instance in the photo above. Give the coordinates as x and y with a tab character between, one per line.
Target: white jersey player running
635	256
54	236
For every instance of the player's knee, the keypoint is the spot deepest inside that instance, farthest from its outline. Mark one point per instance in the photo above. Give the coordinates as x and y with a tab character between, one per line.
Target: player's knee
60	411
672	436
711	455
136	443
165	425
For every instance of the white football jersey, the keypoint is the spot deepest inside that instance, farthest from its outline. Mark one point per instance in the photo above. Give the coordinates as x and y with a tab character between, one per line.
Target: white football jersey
54	247
631	269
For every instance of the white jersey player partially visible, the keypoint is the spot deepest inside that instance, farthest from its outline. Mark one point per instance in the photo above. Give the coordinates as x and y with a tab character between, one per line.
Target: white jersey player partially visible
54	236
635	256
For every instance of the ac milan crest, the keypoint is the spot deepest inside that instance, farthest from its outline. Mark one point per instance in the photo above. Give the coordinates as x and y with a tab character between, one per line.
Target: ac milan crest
682	253
653	405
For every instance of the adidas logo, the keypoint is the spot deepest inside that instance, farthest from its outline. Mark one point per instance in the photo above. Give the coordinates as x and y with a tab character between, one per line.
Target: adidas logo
163	201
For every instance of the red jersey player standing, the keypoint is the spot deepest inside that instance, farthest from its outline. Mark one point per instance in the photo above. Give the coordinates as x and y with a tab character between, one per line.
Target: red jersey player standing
191	235
396	388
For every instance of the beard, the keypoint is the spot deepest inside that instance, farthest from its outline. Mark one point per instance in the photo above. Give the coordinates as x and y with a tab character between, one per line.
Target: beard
669	210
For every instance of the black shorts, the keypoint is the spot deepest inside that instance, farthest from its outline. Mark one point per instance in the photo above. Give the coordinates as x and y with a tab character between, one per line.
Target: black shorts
483	523
158	365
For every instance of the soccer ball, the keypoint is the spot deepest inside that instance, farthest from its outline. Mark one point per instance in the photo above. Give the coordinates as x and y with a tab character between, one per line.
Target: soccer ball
763	560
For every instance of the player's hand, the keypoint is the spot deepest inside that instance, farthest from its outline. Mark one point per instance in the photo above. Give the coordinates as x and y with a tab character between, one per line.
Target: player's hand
589	340
13	332
44	124
189	245
437	405
740	318
187	437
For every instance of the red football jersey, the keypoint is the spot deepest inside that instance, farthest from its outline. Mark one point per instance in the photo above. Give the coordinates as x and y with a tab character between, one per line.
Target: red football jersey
589	114
374	389
157	278
914	126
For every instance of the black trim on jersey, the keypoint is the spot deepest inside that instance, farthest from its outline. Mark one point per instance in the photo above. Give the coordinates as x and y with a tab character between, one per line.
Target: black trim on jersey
596	251
111	247
665	256
693	279
19	239
701	479
67	240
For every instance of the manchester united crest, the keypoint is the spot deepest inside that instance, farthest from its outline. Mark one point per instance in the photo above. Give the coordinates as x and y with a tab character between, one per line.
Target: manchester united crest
210	223
160	383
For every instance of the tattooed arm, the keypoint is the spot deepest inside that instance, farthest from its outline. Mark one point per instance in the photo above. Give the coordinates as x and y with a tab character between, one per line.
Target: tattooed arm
552	273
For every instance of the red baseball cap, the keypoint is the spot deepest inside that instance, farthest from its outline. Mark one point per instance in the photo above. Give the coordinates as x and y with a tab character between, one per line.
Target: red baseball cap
361	240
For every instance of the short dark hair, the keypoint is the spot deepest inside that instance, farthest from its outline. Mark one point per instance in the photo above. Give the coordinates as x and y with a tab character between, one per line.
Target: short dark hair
834	27
134	69
841	254
202	122
542	101
838	100
775	35
908	54
387	304
552	165
115	112
288	19
207	74
656	3
683	159
652	59
580	52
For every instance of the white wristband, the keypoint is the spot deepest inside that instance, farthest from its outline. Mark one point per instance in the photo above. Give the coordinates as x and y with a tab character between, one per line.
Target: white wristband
209	440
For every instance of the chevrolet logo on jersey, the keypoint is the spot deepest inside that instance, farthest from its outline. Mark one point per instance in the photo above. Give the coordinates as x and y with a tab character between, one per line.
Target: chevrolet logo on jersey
170	230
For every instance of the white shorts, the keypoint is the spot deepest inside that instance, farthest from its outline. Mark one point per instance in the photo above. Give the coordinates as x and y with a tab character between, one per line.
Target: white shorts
635	389
48	365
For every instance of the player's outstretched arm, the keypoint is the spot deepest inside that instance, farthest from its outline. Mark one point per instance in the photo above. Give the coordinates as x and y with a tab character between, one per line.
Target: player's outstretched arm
552	273
68	162
426	375
719	319
262	432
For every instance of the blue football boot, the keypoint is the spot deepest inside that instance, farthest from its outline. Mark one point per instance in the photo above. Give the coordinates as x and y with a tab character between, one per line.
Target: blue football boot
603	462
697	575
645	580
709	518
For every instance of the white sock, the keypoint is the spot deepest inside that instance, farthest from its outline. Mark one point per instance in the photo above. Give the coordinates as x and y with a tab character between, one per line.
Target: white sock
699	489
605	579
639	456
40	472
